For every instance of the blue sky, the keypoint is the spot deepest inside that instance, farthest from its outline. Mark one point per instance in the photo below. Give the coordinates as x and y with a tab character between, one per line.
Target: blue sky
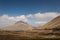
20	7
32	11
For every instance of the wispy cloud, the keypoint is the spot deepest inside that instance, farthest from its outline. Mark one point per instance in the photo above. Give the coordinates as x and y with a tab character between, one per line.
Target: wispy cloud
40	18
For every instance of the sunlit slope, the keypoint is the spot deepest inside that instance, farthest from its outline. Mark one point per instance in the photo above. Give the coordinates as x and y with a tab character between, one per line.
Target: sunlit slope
55	23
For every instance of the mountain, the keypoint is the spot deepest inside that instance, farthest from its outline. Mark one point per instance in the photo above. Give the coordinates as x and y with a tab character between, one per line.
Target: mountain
18	26
55	23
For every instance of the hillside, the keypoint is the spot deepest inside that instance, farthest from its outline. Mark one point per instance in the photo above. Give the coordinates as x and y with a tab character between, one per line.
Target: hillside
55	23
18	26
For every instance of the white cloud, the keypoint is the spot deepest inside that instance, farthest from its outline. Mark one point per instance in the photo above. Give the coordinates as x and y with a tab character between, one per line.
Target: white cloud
6	20
45	16
21	18
39	23
30	15
40	18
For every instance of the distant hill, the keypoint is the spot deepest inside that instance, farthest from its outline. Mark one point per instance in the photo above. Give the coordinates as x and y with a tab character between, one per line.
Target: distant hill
18	26
55	23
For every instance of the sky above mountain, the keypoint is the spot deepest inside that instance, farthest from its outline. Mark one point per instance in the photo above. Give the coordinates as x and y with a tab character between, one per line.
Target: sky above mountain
32	11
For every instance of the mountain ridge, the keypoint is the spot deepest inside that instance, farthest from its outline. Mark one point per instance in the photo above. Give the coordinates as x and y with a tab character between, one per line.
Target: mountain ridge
52	24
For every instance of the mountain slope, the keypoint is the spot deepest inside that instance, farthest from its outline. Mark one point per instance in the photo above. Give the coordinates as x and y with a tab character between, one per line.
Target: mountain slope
18	26
55	23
